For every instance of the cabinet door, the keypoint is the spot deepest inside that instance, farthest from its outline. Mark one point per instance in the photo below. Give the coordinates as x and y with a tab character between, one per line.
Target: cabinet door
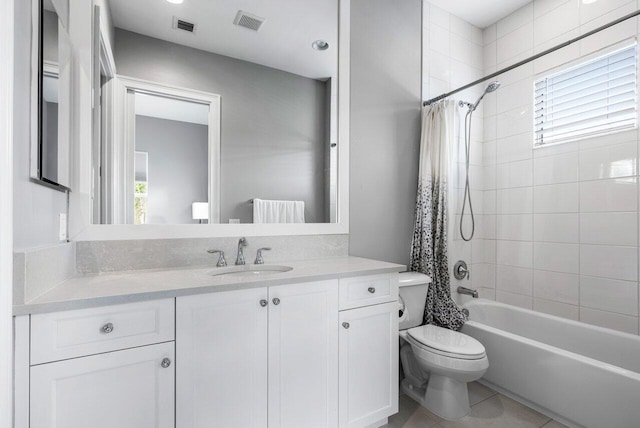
368	364
303	355
124	389
221	345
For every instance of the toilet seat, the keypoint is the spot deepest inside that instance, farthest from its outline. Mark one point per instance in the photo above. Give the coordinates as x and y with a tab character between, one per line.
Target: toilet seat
446	343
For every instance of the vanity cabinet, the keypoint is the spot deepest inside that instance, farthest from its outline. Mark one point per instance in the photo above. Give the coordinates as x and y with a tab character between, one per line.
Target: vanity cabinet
263	357
103	367
368	350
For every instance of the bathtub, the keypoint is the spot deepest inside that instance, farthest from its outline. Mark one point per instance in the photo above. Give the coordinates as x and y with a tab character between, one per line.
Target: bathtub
578	374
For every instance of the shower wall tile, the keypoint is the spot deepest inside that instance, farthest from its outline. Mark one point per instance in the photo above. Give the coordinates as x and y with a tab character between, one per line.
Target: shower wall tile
556	169
563	228
609	295
514	299
556	286
564	218
616	228
558	309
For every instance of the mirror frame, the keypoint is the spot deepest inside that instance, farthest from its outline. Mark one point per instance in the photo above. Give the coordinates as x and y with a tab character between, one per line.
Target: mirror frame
81	216
38	68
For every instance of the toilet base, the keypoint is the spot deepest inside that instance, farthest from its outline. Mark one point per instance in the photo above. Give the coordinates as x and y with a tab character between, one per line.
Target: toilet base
443	396
447	397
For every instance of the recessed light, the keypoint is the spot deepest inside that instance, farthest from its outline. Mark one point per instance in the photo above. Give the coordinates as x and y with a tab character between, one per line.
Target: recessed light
175	1
589	1
320	45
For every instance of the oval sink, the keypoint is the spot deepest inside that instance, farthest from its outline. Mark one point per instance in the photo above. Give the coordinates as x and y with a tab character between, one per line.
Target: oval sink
249	270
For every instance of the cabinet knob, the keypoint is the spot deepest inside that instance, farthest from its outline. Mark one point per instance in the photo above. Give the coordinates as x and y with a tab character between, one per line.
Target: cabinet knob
276	301
107	328
346	325
165	363
371	290
263	303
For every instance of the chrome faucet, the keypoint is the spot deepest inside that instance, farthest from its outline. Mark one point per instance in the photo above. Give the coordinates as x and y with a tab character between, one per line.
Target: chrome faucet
221	261
241	244
468	291
259	260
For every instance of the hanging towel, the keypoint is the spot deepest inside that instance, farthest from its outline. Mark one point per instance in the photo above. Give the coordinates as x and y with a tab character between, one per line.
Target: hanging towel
266	211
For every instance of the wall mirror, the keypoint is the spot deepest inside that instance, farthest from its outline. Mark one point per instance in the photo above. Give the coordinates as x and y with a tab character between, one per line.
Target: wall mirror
221	113
51	104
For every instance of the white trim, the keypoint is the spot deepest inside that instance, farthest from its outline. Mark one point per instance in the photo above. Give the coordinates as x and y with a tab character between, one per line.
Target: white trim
6	212
89	232
21	366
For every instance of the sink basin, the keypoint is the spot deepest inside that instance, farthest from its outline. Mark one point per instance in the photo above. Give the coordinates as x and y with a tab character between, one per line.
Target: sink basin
249	270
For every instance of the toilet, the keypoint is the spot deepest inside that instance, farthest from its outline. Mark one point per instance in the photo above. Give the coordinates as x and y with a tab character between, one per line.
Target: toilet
437	362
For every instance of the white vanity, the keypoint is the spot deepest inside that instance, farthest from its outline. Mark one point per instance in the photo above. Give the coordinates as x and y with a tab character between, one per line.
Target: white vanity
313	347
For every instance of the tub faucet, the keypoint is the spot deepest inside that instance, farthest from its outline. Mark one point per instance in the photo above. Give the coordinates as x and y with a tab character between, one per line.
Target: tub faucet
241	244
468	291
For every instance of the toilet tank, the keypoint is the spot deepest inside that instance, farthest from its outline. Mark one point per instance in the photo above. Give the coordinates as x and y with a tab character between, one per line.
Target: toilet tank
413	294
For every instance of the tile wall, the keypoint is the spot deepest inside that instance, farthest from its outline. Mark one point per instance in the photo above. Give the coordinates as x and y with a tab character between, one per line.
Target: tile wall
560	223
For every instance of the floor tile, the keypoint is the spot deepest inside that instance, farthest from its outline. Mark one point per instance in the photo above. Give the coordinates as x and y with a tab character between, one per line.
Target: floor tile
478	392
412	415
554	424
499	412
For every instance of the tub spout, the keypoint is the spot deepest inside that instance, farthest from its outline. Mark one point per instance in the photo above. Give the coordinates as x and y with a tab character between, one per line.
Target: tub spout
468	291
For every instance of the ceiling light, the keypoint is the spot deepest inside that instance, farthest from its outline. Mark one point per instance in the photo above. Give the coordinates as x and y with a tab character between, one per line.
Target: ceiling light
175	1
589	1
320	45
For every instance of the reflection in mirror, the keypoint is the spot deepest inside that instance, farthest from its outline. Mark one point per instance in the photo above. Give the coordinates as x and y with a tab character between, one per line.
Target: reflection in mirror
275	73
54	106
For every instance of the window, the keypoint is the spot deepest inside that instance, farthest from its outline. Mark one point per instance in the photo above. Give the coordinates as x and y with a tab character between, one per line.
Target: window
593	98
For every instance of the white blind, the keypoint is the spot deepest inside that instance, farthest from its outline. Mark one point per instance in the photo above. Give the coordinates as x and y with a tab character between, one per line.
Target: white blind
592	98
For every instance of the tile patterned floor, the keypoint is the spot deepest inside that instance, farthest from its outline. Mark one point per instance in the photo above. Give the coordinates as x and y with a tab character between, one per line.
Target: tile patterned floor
488	410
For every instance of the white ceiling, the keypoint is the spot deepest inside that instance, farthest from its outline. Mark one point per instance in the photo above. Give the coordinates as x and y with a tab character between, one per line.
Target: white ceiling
480	13
171	109
283	42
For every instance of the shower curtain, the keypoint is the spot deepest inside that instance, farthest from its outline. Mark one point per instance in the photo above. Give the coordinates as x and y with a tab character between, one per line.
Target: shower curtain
429	245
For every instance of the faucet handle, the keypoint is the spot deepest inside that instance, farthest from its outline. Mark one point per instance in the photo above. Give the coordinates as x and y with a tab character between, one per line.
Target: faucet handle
259	260
221	261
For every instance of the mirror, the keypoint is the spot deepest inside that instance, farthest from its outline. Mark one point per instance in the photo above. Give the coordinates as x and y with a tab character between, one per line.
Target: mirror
228	109
51	148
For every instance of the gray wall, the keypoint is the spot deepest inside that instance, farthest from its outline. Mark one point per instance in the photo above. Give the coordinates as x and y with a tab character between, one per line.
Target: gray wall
36	208
273	134
177	167
385	126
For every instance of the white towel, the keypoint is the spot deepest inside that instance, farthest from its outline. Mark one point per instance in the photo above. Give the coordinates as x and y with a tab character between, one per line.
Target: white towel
265	211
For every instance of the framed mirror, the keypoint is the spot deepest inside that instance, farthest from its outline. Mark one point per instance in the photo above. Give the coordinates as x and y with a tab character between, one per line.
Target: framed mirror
273	80
51	95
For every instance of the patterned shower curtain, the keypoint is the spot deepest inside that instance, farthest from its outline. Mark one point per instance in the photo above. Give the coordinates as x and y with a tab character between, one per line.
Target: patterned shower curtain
429	245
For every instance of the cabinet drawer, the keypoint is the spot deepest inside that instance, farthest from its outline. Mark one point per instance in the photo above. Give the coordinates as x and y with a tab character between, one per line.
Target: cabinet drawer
62	335
368	290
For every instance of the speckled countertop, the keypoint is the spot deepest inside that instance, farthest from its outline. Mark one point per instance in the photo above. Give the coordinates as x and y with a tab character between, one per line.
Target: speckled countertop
91	290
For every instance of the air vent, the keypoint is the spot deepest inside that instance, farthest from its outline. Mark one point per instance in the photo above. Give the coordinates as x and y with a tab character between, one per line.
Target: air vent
181	24
247	20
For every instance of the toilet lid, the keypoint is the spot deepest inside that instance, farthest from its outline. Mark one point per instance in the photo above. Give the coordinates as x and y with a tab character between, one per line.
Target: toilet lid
448	341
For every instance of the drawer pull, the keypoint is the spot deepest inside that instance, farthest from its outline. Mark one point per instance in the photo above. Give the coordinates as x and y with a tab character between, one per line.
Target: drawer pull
346	325
165	363
107	328
263	303
276	301
371	290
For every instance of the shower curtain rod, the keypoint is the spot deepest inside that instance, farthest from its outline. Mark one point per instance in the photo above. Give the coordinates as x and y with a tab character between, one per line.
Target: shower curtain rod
531	58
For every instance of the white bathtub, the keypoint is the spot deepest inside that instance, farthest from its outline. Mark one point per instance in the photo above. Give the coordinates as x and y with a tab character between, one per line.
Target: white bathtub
581	375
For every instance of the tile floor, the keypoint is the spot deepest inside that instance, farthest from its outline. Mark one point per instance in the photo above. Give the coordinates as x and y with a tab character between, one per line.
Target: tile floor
488	410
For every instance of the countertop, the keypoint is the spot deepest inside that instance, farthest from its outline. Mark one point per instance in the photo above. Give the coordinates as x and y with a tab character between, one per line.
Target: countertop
84	291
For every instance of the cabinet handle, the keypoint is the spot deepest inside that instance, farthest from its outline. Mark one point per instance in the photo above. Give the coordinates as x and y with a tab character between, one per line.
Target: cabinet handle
346	325
276	301
263	303
371	290
165	363
107	328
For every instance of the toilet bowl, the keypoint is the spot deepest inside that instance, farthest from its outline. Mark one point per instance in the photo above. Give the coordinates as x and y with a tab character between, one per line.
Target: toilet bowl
437	362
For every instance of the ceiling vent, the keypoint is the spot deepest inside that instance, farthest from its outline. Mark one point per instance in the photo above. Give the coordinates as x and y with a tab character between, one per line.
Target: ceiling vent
181	24
247	20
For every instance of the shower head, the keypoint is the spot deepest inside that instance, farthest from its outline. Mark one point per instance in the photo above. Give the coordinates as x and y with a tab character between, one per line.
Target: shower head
493	86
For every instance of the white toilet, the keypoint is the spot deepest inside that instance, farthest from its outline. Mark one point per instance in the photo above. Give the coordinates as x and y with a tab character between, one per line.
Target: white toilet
437	362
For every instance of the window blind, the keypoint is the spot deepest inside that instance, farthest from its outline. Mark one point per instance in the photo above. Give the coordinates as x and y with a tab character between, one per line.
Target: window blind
595	97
